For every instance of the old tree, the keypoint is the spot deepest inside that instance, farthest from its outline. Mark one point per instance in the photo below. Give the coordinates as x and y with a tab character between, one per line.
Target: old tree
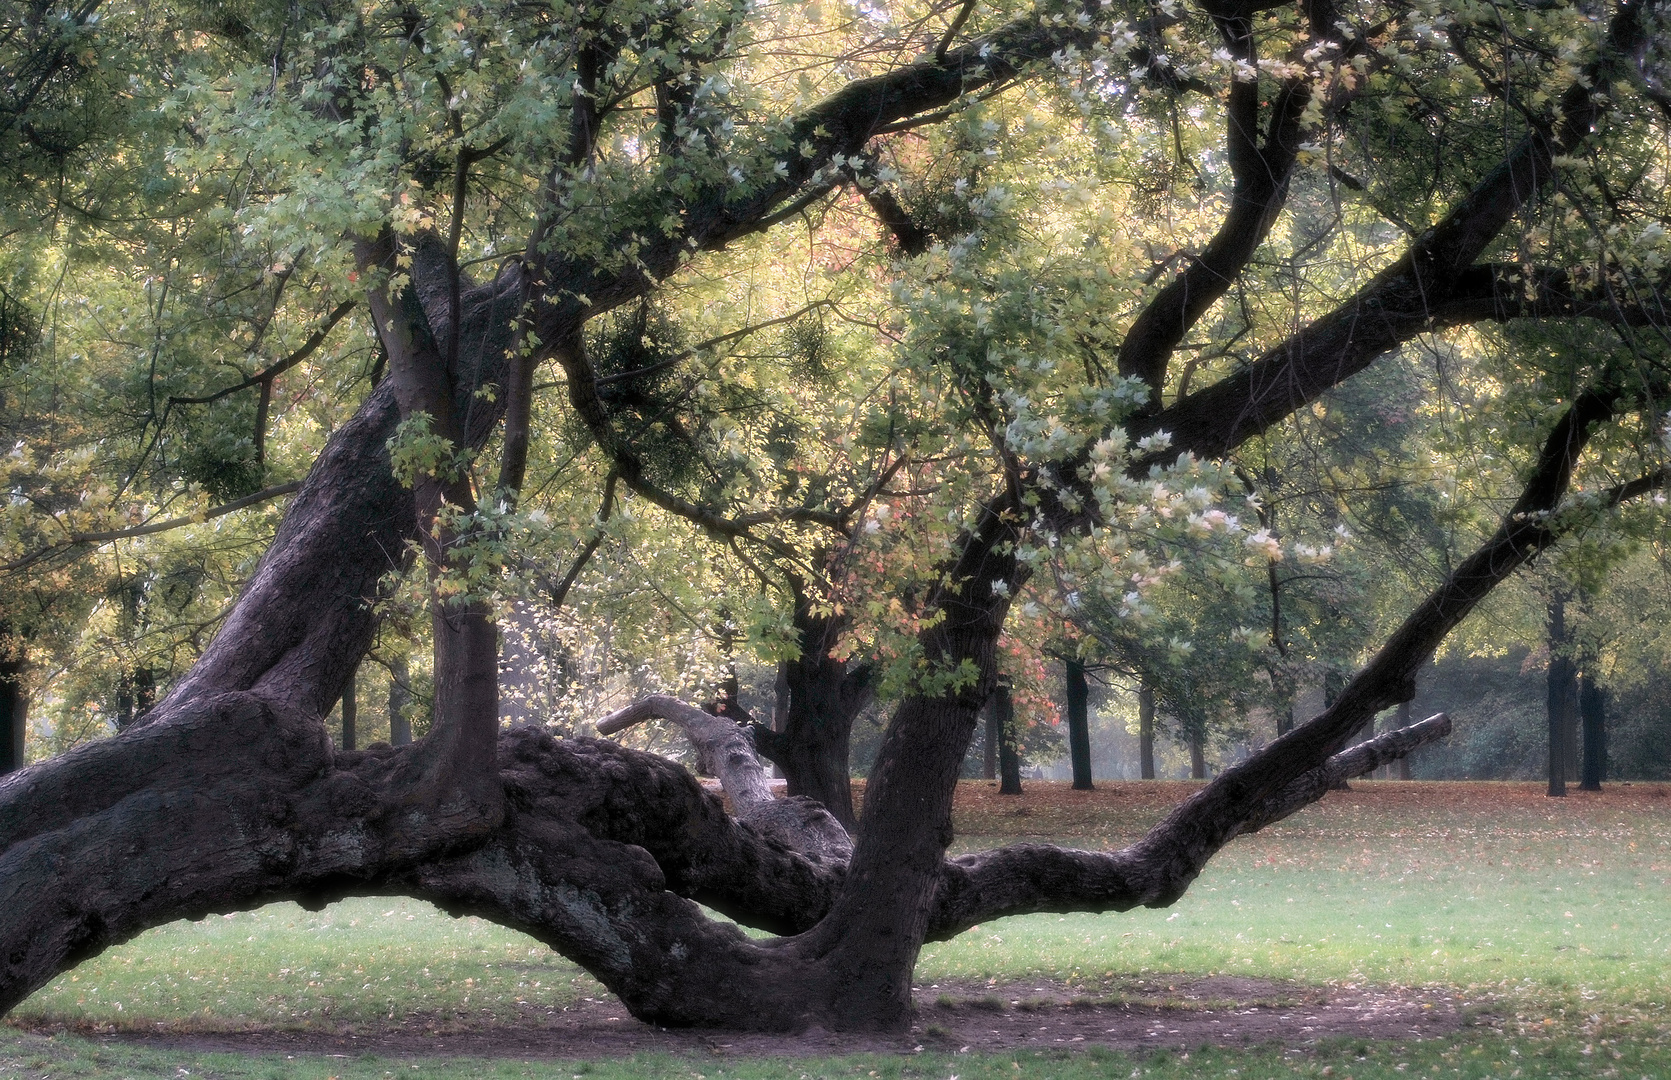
1083	253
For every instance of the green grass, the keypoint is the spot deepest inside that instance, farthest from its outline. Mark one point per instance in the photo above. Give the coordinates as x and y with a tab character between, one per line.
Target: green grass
1468	1057
1555	916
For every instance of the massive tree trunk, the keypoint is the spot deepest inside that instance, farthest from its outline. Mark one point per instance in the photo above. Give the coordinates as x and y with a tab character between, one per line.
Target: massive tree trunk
1079	725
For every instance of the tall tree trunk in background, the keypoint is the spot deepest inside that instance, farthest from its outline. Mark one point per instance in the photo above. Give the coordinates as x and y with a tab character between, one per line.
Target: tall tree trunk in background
400	695
1592	712
14	712
989	756
350	714
1079	725
1197	756
1404	722
1009	749
824	696
1561	697
1146	731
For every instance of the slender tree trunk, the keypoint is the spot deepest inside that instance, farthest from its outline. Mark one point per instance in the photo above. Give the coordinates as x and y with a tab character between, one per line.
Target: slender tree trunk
1079	725
1146	731
14	714
1561	698
350	714
780	697
1592	711
1009	748
1404	722
1197	756
400	695
989	756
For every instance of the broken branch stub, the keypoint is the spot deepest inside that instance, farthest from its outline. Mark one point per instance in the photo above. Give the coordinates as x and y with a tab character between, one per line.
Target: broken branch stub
725	751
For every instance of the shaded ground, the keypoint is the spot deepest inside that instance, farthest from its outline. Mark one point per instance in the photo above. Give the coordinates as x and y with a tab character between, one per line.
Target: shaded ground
1130	1014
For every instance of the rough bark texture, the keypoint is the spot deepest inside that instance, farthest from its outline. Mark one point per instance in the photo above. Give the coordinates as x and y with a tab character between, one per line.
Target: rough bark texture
1079	725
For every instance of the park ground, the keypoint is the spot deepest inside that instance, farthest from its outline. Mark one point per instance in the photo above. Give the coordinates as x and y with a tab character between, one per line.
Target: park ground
1398	930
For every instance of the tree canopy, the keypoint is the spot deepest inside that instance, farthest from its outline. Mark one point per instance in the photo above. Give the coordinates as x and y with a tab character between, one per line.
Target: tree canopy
901	345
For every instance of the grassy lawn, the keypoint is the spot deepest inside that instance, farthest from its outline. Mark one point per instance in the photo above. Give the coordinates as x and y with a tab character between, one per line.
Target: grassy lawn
1551	917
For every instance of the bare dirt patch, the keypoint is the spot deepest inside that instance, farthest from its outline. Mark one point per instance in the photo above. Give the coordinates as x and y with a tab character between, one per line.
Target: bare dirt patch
1126	1014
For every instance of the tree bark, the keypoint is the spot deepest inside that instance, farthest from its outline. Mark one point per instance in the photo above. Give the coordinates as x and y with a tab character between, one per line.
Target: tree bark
1079	725
1403	721
350	714
400	695
1146	731
1592	710
1197	756
1009	752
824	696
989	742
14	713
230	795
1561	695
